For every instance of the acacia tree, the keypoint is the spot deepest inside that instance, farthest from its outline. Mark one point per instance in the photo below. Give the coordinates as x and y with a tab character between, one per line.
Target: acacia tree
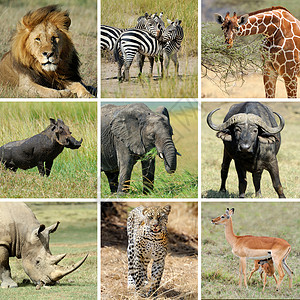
225	66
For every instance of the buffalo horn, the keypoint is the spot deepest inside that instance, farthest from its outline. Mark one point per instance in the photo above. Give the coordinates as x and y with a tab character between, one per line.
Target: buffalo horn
242	117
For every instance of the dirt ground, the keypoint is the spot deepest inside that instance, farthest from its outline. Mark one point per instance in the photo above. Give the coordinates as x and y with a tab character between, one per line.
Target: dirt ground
180	278
111	87
253	87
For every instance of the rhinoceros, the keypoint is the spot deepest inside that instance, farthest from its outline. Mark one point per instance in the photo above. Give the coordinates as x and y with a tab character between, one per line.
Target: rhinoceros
39	150
22	236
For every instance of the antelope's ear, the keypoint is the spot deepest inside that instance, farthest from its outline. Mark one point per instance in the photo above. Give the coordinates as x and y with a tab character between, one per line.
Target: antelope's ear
219	19
231	212
243	19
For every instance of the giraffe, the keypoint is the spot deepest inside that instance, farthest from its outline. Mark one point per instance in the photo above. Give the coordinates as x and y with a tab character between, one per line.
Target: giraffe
281	46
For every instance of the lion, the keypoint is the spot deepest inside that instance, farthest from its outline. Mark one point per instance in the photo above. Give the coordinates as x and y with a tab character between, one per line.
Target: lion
43	61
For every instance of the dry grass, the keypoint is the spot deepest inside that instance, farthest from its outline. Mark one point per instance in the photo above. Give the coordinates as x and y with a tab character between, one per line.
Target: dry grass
251	87
83	29
180	279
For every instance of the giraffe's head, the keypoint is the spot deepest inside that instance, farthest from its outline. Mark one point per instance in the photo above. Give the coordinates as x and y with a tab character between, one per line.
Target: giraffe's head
230	26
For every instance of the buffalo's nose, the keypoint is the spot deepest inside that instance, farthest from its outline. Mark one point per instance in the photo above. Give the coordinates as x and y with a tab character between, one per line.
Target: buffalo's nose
245	147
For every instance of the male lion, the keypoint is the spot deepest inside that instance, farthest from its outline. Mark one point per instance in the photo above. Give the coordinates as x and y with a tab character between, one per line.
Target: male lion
43	61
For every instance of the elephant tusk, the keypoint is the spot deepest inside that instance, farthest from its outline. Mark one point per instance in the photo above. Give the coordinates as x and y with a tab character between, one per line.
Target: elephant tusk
161	155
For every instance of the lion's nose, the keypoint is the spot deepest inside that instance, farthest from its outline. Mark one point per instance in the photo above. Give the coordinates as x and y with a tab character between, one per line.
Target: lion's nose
48	54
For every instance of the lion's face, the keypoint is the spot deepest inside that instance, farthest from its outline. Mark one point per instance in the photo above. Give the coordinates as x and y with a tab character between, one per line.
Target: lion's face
45	43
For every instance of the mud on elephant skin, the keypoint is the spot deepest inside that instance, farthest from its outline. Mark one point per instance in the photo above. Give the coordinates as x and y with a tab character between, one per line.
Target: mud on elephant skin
22	236
128	132
39	150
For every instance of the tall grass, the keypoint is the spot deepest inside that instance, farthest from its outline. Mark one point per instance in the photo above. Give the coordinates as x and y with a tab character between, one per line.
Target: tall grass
83	14
184	182
76	236
124	15
212	154
220	268
74	172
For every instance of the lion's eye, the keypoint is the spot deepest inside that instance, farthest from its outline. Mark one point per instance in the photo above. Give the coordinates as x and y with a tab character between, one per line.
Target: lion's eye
38	39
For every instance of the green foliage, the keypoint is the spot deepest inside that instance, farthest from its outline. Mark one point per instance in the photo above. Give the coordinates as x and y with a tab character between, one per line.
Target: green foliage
220	268
74	172
223	65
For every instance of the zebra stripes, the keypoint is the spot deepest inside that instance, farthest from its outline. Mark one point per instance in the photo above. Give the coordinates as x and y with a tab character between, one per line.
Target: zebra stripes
172	47
170	50
109	34
133	41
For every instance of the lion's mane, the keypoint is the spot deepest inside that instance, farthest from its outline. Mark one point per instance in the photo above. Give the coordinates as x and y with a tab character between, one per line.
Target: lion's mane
24	62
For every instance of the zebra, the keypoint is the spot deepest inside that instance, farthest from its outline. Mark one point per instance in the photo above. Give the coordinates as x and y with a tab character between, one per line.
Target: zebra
170	50
109	34
133	41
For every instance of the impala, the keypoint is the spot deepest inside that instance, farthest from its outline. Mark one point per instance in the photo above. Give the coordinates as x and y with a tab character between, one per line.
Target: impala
255	247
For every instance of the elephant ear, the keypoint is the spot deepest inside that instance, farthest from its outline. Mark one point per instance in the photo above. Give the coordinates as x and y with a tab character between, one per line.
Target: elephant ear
163	110
126	127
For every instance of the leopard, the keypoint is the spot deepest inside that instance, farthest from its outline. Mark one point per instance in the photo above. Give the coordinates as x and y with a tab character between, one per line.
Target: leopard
147	242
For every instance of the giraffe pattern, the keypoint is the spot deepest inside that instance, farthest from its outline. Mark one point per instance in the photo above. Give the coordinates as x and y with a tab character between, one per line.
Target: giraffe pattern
280	47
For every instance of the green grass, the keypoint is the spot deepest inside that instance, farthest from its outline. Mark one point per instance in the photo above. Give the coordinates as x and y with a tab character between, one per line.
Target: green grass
124	15
184	182
287	157
74	172
219	267
76	236
83	29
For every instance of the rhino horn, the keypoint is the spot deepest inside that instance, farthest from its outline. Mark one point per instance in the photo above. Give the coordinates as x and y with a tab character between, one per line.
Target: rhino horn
60	272
55	259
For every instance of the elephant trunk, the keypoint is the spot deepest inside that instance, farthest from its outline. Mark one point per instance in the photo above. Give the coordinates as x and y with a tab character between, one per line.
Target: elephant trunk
169	154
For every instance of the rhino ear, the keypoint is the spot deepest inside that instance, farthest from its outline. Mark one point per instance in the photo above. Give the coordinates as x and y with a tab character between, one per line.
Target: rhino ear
37	231
52	228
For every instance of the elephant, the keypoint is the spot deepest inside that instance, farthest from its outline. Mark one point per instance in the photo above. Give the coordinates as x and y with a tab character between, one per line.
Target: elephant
128	132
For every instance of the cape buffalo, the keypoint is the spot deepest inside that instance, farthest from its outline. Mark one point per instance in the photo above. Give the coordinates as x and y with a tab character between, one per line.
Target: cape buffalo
251	138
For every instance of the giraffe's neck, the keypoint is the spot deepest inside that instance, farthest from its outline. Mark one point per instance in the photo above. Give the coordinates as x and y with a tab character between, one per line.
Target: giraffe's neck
260	24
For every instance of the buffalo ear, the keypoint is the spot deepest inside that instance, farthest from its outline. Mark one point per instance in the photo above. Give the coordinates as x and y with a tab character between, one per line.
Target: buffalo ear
126	127
267	139
224	135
